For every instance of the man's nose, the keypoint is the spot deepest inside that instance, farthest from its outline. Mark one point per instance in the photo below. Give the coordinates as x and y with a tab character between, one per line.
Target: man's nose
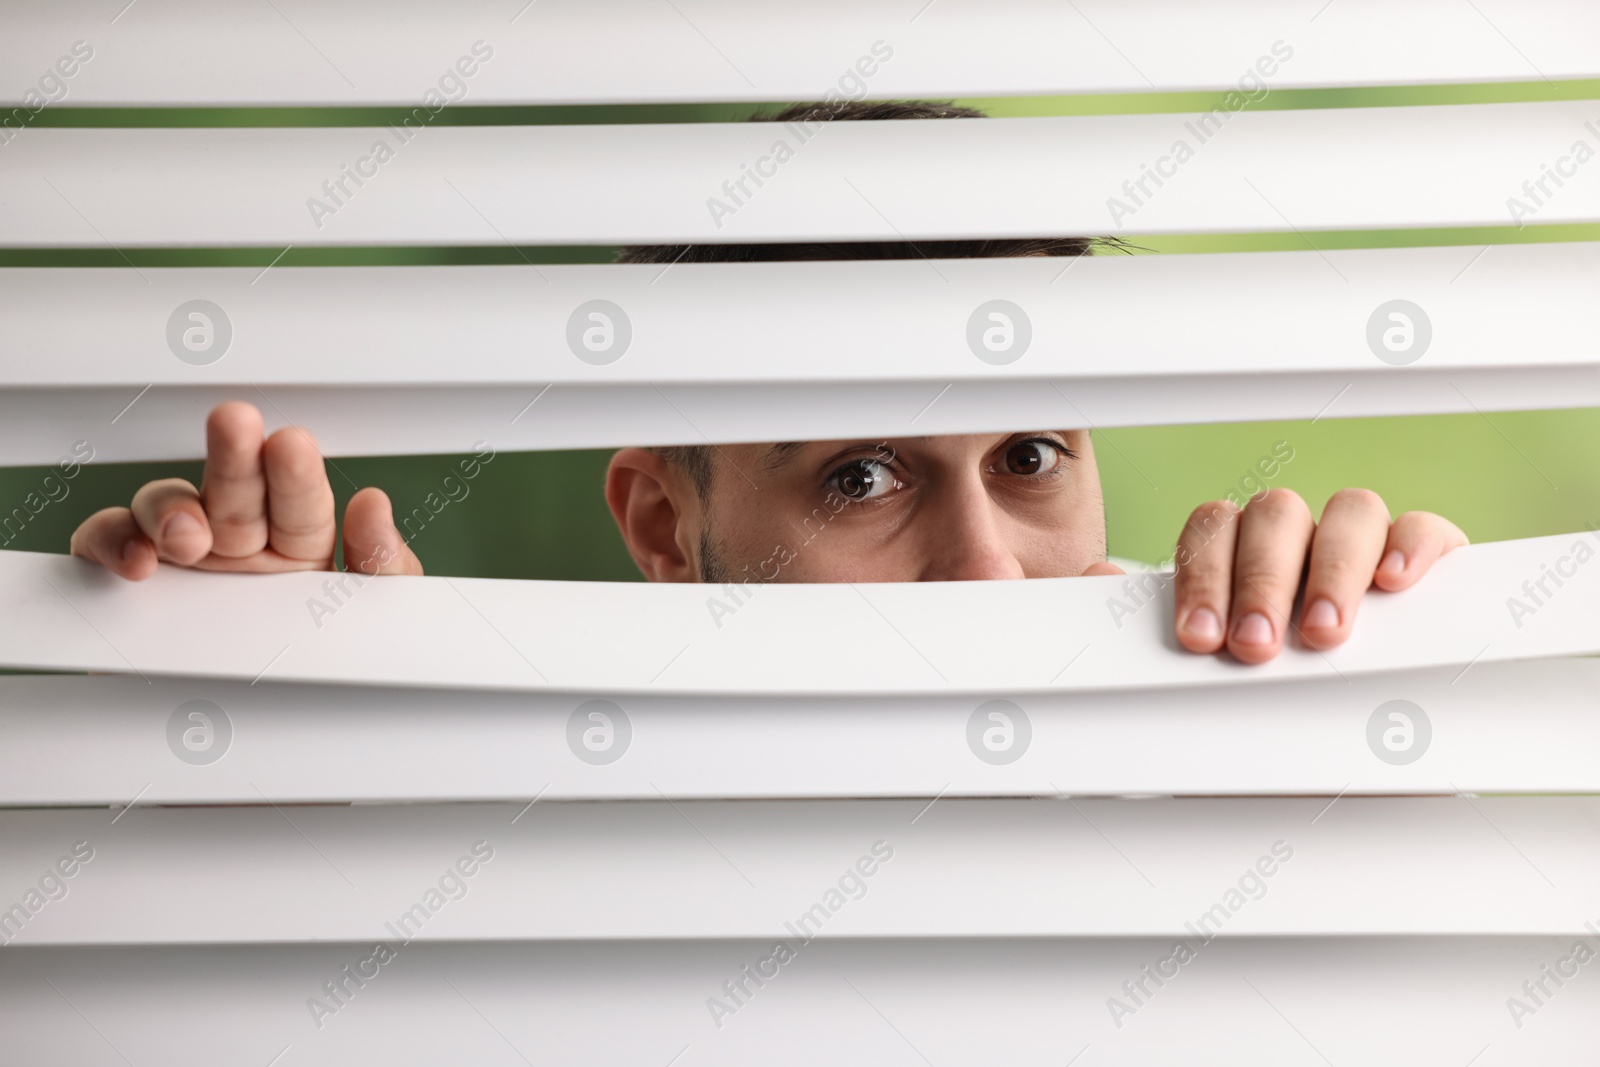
965	541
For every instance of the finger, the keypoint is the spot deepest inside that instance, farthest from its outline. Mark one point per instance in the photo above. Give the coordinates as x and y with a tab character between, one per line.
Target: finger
111	538
1416	540
1203	583
1102	567
1274	533
1344	554
372	544
234	489
300	520
169	513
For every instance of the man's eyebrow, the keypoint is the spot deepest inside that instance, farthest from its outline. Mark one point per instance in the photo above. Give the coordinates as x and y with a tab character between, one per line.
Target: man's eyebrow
783	453
779	455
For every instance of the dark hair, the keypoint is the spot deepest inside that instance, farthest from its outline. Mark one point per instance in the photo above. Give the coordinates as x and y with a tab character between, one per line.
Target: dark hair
695	460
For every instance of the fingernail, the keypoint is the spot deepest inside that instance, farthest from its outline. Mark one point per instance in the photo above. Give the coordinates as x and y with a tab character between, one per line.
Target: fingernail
1394	562
182	524
1253	629
1204	624
1321	615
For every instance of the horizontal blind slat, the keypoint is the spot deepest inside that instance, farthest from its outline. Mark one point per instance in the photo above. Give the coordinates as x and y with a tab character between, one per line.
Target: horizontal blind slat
192	53
833	322
86	741
45	426
1247	171
743	869
59	613
1031	1003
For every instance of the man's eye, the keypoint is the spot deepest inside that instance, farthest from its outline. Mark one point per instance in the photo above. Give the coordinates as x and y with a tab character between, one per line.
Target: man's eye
1033	458
862	480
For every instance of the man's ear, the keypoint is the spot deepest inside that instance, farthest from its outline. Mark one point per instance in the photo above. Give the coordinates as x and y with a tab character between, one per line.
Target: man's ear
658	513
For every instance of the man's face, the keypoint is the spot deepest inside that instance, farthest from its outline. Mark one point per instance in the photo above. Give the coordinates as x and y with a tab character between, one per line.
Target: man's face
916	509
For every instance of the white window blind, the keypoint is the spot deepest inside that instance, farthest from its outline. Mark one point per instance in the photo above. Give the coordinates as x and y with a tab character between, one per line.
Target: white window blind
581	816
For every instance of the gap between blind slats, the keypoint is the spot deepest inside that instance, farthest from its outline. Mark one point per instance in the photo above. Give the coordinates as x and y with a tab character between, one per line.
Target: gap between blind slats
87	741
1061	634
294	53
1254	171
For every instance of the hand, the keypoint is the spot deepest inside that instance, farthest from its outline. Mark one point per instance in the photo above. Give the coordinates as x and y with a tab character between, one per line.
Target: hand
264	506
1245	566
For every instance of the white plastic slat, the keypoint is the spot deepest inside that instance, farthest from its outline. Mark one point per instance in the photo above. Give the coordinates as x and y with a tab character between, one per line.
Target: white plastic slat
295	52
954	1003
1244	335
1240	1002
1027	177
40	426
891	320
710	869
83	741
60	613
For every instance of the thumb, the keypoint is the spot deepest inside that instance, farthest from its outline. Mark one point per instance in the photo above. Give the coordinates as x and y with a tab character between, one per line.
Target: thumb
1100	568
372	544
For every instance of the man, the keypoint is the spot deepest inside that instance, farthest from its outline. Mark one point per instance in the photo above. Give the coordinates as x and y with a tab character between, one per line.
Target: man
966	507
